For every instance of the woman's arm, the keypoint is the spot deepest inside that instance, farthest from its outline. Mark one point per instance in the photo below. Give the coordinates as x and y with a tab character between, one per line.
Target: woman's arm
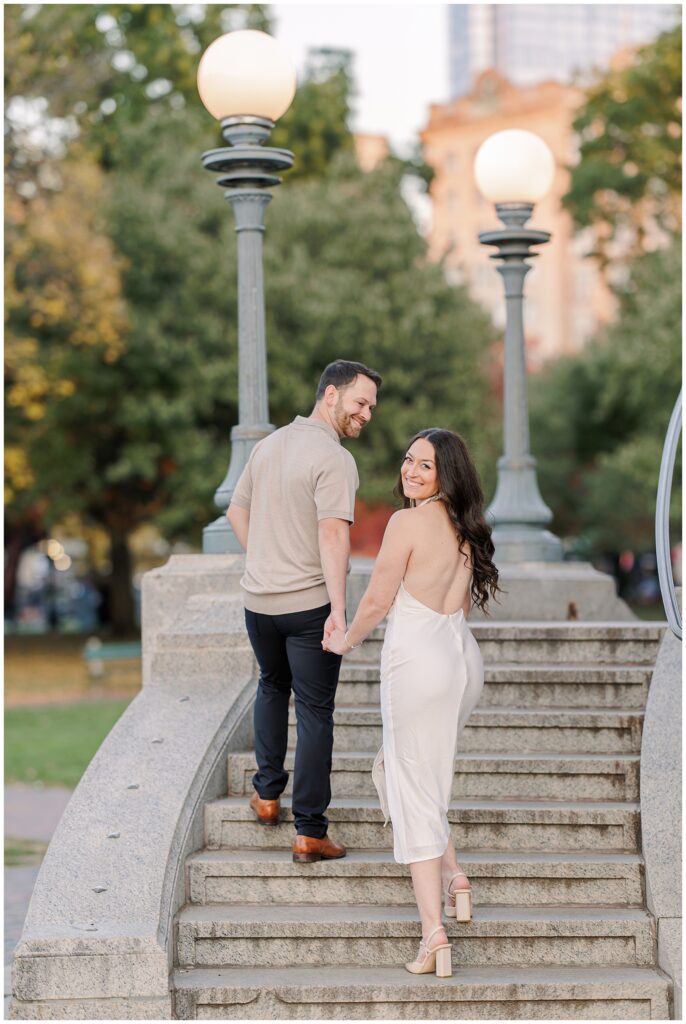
389	570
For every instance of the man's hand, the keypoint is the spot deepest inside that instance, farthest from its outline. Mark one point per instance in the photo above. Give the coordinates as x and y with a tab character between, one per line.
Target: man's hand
336	642
336	620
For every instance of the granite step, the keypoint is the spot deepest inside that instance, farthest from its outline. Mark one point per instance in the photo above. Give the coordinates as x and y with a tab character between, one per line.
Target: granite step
551	642
373	876
511	685
383	993
479	776
520	730
537	825
268	935
209	648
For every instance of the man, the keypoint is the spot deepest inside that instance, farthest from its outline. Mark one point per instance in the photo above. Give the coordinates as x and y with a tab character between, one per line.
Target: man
291	511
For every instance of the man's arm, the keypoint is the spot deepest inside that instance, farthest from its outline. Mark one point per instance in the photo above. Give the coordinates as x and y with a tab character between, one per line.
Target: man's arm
334	551
239	518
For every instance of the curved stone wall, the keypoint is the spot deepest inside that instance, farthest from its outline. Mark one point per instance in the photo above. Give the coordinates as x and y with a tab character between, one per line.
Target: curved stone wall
98	937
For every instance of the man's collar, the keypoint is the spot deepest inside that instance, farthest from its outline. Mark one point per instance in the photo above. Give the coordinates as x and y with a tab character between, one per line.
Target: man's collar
308	421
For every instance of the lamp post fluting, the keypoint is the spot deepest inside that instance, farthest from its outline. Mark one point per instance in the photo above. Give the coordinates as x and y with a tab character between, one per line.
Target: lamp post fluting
231	78
518	512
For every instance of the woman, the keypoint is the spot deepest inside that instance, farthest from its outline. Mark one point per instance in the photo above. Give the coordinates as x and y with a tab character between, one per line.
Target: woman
435	559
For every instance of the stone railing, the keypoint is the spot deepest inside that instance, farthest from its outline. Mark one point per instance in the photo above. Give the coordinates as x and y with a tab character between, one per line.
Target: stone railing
662	546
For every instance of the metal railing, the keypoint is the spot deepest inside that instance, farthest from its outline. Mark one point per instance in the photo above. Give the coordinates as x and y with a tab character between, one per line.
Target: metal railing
662	546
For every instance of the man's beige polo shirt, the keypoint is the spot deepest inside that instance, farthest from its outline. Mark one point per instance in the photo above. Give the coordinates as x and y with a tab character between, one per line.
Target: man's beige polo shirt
295	477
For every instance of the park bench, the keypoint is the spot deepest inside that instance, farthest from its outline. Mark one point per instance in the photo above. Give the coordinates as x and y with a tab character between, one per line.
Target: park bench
96	654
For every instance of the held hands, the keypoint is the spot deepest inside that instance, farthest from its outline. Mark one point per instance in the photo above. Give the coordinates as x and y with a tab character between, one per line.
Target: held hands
336	642
336	620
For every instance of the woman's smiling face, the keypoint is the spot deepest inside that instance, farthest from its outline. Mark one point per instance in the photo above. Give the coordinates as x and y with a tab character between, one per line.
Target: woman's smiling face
418	471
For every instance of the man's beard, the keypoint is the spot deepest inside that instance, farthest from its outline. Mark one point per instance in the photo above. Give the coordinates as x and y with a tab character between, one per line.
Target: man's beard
345	422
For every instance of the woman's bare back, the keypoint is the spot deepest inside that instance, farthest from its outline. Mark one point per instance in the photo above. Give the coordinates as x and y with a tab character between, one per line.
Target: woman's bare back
437	573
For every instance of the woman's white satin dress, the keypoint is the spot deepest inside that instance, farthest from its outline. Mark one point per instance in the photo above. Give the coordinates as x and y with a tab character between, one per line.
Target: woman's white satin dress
431	680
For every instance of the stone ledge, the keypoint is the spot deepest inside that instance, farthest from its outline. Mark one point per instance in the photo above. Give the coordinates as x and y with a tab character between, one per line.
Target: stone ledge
556	590
92	1009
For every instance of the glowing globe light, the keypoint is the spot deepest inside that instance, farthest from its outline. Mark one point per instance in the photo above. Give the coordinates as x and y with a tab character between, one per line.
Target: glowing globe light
246	73
514	166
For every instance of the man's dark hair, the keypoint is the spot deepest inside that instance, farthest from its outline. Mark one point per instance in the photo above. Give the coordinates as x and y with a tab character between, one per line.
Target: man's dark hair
342	373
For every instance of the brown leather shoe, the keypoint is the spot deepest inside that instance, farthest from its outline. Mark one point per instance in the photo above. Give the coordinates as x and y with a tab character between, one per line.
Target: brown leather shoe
307	849
266	811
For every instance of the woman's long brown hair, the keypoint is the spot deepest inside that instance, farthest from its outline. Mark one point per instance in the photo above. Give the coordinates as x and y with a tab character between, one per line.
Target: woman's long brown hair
460	489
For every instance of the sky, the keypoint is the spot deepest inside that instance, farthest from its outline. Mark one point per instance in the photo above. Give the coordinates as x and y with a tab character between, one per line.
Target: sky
400	63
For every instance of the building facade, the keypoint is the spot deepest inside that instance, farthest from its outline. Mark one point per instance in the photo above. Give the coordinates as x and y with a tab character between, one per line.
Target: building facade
370	150
532	43
567	298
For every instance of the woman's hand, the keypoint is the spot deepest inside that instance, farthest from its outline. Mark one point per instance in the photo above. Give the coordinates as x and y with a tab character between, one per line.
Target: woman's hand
336	642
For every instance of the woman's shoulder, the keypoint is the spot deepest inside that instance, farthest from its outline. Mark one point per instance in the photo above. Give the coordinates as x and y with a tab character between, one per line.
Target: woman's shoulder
400	520
399	527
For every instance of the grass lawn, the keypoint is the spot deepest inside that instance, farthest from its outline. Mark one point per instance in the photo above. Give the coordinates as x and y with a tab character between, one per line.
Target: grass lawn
20	852
54	744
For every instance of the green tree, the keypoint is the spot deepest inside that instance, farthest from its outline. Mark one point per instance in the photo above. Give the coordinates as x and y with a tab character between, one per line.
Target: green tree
599	420
64	311
629	128
134	440
348	277
112	82
315	127
98	66
88	70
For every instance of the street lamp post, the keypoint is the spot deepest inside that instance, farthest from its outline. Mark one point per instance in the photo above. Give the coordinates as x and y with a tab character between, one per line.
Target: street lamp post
514	169
247	82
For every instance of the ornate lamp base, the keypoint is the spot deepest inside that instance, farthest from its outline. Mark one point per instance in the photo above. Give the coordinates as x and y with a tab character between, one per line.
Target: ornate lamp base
219	539
519	543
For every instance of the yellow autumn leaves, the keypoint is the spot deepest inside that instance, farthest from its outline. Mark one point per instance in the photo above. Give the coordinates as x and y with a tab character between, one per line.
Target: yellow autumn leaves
63	293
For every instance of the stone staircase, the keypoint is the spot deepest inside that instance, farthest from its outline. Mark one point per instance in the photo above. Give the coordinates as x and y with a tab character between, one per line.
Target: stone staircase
546	822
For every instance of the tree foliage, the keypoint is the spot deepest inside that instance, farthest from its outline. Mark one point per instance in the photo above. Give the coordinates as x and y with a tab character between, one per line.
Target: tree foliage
90	70
63	307
100	66
315	127
599	419
629	171
348	277
94	88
